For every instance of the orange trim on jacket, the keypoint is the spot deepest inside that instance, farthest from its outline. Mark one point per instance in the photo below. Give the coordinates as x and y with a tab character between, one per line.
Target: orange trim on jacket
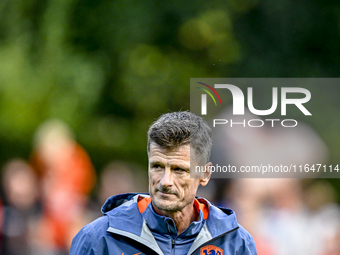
143	202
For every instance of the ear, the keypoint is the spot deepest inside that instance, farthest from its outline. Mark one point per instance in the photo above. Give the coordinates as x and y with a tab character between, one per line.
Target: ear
206	175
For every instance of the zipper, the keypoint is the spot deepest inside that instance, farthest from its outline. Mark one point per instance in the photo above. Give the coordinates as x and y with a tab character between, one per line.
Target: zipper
173	246
214	239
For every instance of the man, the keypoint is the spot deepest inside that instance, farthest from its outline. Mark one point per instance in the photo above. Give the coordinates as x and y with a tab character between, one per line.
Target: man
171	220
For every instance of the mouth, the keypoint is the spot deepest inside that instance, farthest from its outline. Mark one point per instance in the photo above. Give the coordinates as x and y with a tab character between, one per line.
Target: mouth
165	193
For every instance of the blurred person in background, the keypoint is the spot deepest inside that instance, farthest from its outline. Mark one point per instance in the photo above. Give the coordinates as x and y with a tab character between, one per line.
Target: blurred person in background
21	209
320	198
248	197
119	177
116	177
294	226
284	218
67	177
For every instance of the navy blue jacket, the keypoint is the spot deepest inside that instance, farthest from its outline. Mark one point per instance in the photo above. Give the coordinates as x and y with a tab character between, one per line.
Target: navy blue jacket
126	229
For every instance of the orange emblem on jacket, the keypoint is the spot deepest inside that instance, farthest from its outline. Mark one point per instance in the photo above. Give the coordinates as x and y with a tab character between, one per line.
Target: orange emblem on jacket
211	250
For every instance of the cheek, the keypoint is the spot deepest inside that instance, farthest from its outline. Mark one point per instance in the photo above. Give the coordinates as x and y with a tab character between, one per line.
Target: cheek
189	188
154	178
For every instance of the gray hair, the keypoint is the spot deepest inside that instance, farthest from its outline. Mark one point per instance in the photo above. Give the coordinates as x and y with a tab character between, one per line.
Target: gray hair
175	129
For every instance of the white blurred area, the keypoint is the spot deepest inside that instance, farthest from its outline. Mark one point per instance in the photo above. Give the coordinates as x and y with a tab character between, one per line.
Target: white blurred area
285	216
269	145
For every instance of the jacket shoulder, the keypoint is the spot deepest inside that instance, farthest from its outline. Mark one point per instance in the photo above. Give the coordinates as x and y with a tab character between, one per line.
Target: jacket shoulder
249	243
223	220
90	238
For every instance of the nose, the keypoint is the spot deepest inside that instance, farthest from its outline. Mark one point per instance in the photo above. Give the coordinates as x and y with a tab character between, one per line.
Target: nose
167	178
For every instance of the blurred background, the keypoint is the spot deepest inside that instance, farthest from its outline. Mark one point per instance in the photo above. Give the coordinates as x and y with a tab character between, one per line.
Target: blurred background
81	81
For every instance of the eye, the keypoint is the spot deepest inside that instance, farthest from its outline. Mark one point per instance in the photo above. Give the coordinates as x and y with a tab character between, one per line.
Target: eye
180	170
156	166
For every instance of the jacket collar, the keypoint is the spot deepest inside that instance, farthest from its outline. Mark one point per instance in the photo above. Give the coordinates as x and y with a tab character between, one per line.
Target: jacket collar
166	226
124	214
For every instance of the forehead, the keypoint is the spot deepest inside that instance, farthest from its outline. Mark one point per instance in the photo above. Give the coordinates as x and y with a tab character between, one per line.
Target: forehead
181	153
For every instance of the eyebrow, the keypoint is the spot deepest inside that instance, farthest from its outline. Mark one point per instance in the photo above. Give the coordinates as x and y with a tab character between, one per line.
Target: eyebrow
155	162
183	166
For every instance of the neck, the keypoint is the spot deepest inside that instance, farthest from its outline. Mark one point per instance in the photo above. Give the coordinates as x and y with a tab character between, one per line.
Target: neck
182	218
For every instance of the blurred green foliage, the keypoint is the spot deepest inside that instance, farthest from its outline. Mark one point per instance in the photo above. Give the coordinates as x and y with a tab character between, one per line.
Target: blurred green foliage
108	68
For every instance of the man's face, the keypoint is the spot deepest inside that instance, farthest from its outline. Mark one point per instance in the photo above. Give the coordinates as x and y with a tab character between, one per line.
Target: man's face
170	185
